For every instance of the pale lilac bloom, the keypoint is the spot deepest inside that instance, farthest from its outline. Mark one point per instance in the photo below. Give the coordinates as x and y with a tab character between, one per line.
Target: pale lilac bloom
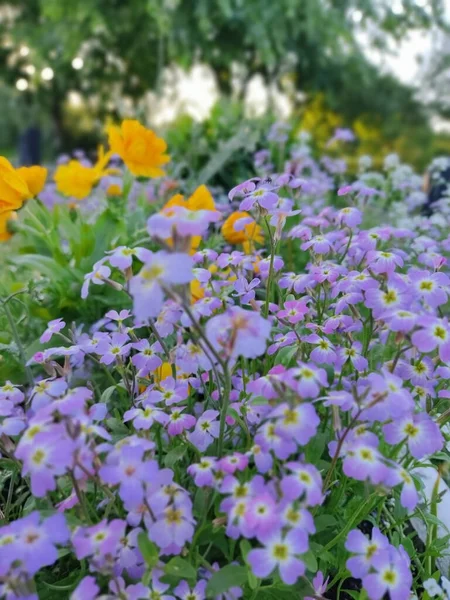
363	461
353	355
282	553
324	351
294	310
434	333
365	550
304	480
392	575
243	188
99	541
262	195
383	261
431	287
122	257
350	216
98	275
146	360
245	289
184	592
401	320
163	269
310	380
206	430
116	347
280	341
421	433
238	332
131	471
87	589
319	584
179	421
143	418
320	244
46	391
298	422
10	394
409	498
53	327
202	472
173	528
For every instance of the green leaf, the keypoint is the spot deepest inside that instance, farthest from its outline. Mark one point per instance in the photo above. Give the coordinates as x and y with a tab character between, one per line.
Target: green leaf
286	356
180	568
324	521
106	396
174	456
223	580
310	561
148	550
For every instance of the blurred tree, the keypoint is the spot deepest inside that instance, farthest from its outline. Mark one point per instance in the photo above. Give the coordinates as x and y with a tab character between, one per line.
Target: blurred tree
114	51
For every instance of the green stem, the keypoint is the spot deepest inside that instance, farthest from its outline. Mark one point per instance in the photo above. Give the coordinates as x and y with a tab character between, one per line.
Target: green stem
270	277
224	409
16	337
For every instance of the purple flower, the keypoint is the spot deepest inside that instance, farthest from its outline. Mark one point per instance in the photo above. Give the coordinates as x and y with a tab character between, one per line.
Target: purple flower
365	550
101	541
282	553
246	290
262	195
392	575
310	380
409	497
294	310
179	421
87	589
114	348
98	275
146	360
363	461
429	286
238	332
421	433
299	422
184	592
202	472
206	430
30	543
304	480
170	392
160	270
52	327
131	471
122	257
434	333
173	528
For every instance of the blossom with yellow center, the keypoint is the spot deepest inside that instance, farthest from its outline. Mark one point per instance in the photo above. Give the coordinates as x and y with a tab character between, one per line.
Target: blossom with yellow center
141	149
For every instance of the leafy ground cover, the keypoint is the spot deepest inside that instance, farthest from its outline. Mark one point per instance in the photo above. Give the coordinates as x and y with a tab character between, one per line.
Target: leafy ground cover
235	394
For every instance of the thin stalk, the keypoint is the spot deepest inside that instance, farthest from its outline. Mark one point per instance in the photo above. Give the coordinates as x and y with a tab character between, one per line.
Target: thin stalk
16	337
223	410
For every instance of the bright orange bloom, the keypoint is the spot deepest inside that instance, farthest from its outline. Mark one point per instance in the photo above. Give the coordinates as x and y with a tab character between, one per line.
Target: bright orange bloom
141	149
248	236
34	177
13	188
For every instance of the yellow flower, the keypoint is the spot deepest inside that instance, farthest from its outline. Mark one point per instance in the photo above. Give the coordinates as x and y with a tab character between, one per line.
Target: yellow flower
34	177
201	199
140	149
114	190
197	291
6	216
250	234
162	372
13	188
74	179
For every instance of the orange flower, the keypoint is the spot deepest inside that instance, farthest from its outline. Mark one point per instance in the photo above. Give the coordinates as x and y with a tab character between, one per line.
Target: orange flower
140	148
34	177
74	179
6	216
247	236
13	188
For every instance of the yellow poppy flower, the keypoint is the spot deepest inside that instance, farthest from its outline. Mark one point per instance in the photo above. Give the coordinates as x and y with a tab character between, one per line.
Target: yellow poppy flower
74	179
34	177
141	149
13	188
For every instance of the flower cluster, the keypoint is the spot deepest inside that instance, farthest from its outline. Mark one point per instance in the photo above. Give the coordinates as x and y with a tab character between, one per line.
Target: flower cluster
239	414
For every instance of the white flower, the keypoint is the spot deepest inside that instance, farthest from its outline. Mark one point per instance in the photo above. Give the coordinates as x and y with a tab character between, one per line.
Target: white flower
432	587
